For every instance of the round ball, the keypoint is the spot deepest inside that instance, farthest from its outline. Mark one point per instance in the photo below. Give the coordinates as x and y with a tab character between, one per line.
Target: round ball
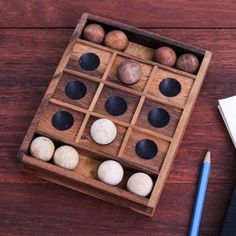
42	148
110	172
66	157
94	33
129	71
187	62
116	39
165	56
103	131
140	184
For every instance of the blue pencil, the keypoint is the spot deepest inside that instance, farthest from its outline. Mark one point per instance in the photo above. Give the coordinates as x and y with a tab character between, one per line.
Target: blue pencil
200	196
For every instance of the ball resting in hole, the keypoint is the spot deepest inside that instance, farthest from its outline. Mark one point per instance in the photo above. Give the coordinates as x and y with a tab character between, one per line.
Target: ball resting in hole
129	72
103	131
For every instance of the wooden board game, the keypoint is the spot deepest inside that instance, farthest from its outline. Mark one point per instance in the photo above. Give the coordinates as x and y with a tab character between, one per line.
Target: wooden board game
150	115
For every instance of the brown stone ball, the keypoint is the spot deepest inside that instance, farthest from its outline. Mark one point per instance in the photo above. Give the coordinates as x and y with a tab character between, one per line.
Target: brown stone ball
94	33
165	56
116	39
129	72
188	62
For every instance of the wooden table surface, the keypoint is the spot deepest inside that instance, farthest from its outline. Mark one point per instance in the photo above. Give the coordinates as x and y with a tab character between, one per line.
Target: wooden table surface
33	36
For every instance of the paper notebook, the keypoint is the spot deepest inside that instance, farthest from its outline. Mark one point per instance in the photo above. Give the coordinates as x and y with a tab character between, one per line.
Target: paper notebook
227	108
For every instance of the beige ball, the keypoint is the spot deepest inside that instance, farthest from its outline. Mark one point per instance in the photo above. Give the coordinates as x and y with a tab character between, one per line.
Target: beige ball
116	39
129	71
42	148
94	33
103	131
66	157
110	172
140	184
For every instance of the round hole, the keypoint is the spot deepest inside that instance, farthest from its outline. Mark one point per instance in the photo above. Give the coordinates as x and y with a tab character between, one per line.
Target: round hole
89	61
158	117
170	87
62	120
146	149
75	90
116	105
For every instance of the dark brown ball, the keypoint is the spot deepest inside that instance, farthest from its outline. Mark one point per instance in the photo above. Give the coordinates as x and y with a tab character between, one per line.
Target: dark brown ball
116	39
165	56
94	33
188	62
129	71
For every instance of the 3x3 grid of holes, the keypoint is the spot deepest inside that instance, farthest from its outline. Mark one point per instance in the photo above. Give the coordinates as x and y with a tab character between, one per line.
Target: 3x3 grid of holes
146	114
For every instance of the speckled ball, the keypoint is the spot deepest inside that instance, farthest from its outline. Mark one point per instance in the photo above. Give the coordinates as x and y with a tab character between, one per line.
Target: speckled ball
110	172
188	62
165	56
94	33
140	184
42	148
103	131
66	157
116	39
129	72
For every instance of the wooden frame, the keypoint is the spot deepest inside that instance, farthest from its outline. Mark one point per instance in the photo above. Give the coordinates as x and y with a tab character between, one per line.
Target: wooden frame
159	170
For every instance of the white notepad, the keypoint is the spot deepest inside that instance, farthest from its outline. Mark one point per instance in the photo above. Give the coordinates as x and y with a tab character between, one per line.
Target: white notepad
227	108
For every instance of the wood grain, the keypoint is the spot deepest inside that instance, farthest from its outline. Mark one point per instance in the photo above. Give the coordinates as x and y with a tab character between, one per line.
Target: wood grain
83	102
153	164
79	50
186	14
21	92
66	125
168	129
111	149
108	92
185	82
46	125
49	46
79	214
139	86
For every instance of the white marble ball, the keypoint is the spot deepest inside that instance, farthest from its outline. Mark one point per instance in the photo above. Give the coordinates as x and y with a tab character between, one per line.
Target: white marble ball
42	148
140	184
110	172
103	131
66	157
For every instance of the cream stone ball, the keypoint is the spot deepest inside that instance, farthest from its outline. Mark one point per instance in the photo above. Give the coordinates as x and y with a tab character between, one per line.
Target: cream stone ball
103	131
140	184
42	148
110	172
66	157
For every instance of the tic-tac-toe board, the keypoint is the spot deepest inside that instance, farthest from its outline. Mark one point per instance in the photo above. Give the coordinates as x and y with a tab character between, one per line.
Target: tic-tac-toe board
150	115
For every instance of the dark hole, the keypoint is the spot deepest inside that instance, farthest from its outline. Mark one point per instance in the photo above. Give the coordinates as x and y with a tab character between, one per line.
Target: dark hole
75	90
89	61
170	87
146	149
116	105
158	117
62	120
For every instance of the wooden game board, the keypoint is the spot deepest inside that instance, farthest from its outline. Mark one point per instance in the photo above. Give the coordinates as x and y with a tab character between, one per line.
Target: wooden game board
132	126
